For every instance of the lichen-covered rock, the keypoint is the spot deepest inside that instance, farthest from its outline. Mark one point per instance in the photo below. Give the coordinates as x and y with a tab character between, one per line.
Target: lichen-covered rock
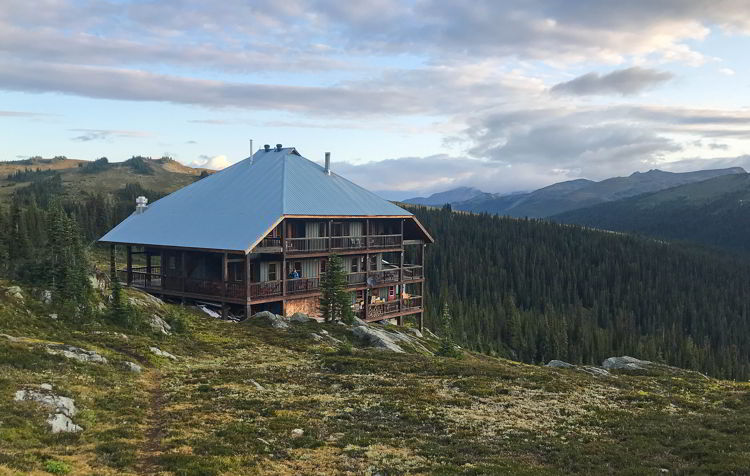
625	363
76	353
46	296
133	367
14	292
415	332
159	325
377	338
300	317
559	364
276	321
162	353
62	408
595	371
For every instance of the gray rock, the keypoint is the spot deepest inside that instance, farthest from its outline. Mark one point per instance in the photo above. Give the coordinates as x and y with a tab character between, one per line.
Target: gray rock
300	317
61	423
316	337
46	386
77	353
415	332
209	311
146	300
430	334
358	322
159	325
12	339
559	364
297	432
133	367
47	296
595	371
377	338
256	385
276	321
15	292
625	363
62	408
162	353
53	316
323	332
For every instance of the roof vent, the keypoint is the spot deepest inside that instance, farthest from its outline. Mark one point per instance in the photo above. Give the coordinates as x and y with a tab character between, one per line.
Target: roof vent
266	147
278	147
328	163
141	204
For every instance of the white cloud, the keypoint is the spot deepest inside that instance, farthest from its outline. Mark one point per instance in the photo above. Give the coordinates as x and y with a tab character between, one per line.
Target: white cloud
727	71
216	162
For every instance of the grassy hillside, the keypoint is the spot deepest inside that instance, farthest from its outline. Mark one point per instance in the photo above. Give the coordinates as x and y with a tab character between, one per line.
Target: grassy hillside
360	410
714	212
80	176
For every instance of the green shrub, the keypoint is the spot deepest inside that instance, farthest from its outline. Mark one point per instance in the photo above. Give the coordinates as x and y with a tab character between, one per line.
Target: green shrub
56	467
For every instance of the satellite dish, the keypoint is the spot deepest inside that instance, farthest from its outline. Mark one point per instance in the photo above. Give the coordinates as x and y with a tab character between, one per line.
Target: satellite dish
371	282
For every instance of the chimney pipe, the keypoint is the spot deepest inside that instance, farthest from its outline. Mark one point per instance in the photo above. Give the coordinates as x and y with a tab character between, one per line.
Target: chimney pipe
141	204
278	147
266	147
328	163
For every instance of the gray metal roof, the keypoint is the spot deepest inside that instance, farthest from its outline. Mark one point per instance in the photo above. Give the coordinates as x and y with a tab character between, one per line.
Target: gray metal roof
234	208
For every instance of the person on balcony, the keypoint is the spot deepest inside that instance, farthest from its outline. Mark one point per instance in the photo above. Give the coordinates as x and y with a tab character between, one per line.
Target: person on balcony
294	274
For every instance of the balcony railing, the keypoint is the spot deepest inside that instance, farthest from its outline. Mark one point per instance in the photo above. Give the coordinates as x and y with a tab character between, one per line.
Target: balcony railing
413	271
348	242
265	289
306	245
383	310
385	276
302	285
356	279
384	241
338	243
412	302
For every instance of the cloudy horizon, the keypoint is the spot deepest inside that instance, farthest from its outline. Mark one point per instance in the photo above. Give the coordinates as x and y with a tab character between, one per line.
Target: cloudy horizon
410	97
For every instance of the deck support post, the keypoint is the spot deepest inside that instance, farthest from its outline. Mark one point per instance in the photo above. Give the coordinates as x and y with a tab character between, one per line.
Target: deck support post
330	234
130	265
283	272
183	275
112	263
421	313
162	268
148	268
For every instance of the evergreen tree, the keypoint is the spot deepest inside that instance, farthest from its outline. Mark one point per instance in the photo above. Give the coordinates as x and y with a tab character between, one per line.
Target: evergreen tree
120	312
447	344
335	299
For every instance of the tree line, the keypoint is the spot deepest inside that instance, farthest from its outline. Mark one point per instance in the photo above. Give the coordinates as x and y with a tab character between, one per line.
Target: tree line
535	291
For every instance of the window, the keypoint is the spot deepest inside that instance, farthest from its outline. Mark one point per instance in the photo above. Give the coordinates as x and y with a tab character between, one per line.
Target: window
322	229
172	262
373	262
323	265
272	275
355	265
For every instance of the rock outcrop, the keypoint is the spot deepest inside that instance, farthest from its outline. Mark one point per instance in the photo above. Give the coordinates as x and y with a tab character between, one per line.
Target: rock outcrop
559	364
77	353
133	367
62	408
162	353
159	325
276	321
14	292
300	317
625	363
377	338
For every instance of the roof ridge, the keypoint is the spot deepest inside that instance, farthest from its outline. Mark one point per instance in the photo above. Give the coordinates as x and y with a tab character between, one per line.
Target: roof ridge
283	184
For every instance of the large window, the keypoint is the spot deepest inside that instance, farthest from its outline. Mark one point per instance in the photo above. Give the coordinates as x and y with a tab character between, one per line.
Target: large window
272	272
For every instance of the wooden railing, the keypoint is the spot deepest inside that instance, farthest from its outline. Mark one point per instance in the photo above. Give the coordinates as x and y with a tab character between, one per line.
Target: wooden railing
413	271
265	289
348	242
384	241
383	309
302	285
412	302
270	242
356	279
306	245
385	276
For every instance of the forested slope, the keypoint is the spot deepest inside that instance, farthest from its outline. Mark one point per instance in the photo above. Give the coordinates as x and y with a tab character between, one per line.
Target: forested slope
536	291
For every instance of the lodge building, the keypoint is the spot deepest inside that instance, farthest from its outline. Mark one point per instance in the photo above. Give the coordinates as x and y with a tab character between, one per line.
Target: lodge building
257	236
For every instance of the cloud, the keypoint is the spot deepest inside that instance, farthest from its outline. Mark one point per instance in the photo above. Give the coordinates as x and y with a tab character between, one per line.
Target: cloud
425	91
727	71
623	81
22	114
216	162
89	135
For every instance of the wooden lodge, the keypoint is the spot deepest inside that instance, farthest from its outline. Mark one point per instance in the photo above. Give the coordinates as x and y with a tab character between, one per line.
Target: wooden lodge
257	236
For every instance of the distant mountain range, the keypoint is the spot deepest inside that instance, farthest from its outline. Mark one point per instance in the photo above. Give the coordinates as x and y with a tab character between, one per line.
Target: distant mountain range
567	196
714	212
459	194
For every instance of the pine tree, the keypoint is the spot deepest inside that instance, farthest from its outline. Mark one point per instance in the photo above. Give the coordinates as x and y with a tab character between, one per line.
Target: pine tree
335	299
447	344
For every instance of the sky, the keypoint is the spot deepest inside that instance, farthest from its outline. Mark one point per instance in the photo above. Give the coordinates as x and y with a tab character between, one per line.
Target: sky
410	97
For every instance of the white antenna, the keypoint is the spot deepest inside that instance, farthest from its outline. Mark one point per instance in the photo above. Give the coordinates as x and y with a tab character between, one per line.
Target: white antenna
251	150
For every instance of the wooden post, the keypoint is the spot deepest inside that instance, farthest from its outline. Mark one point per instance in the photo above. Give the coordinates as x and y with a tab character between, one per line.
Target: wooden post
248	277
112	263
330	233
421	312
130	265
367	233
183	274
148	268
162	269
367	285
224	279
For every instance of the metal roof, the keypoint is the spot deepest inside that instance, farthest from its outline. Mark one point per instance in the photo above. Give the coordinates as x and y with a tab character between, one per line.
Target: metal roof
234	208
